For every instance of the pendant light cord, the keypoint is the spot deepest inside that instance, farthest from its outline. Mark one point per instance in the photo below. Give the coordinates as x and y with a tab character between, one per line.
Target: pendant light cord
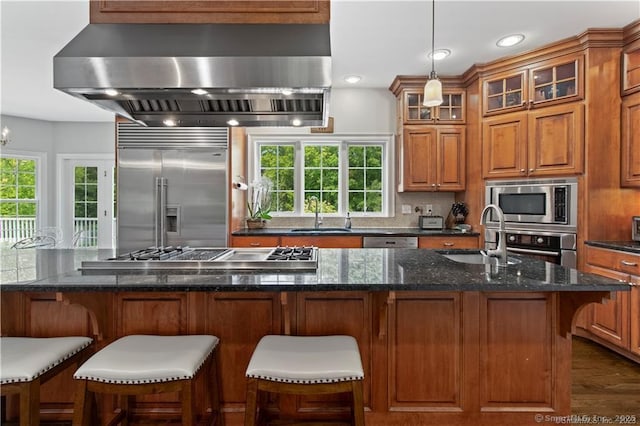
433	36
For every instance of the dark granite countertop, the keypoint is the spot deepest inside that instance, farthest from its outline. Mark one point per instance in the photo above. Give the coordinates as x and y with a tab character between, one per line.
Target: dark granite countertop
338	269
628	246
364	232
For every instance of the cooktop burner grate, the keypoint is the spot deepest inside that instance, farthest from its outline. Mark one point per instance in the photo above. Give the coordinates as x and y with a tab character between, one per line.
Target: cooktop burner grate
291	253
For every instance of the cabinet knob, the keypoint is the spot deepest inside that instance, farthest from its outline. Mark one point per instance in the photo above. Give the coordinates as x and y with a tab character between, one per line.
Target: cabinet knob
438	185
433	185
532	170
522	170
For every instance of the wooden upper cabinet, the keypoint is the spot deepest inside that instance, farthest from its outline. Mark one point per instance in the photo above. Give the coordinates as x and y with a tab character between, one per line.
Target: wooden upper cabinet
210	11
452	110
545	142
432	158
541	84
630	148
631	68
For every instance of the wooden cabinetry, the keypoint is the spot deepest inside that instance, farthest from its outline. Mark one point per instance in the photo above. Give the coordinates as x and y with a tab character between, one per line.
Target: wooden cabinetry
631	68
630	143
457	242
546	83
432	158
544	142
617	322
209	11
325	241
452	110
255	241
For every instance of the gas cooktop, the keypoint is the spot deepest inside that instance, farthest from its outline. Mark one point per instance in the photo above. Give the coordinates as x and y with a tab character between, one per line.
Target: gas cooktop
178	258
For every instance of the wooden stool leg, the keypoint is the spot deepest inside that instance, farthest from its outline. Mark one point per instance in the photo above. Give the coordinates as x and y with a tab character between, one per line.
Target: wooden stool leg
358	403
30	403
251	405
82	408
215	391
126	402
188	409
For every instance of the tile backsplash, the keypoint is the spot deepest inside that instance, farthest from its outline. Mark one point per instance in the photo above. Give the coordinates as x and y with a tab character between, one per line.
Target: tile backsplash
441	202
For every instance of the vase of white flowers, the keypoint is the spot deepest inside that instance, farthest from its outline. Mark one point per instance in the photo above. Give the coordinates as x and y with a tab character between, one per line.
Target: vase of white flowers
259	202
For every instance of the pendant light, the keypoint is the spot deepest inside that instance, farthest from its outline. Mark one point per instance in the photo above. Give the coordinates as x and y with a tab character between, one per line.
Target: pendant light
433	88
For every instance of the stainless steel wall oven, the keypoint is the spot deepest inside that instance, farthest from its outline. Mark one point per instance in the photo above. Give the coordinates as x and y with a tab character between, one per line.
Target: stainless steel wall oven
540	218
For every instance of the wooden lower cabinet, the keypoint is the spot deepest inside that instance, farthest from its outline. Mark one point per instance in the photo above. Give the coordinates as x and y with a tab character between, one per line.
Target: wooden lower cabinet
616	323
430	358
255	241
328	241
448	243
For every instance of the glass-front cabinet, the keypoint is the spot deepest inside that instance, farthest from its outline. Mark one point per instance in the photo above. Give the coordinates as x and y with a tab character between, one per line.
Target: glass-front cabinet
545	83
450	112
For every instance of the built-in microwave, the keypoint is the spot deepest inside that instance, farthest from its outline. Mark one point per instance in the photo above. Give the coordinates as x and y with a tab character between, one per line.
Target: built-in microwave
541	204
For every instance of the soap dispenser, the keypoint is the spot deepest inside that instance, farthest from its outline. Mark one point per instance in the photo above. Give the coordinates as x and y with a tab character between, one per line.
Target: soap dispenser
347	221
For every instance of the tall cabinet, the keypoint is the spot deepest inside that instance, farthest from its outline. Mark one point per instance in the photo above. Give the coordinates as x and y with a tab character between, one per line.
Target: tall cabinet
432	140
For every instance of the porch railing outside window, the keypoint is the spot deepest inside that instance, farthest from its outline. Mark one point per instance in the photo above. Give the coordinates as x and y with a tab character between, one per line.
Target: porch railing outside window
85	231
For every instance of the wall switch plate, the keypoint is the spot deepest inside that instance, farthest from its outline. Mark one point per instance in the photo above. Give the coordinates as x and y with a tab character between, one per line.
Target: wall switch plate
428	209
406	209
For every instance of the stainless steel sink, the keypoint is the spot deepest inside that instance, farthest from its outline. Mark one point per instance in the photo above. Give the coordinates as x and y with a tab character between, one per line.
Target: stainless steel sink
321	230
478	258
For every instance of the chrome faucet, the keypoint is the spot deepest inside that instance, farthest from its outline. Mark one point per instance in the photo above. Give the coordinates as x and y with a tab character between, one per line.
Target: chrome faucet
501	251
317	222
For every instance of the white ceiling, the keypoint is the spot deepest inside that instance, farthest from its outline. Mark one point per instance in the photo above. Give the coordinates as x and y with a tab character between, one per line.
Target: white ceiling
372	38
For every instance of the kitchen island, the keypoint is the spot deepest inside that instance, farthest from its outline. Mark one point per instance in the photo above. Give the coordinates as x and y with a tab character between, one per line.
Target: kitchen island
442	342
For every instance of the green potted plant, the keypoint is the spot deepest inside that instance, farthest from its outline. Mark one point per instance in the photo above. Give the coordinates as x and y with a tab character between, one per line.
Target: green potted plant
259	202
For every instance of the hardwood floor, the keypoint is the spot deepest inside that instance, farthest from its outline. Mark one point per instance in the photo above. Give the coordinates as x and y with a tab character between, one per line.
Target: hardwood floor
604	384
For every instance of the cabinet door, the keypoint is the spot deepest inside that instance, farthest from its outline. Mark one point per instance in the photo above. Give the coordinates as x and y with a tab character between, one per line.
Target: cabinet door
631	68
504	146
448	242
451	164
557	81
451	111
555	140
610	321
418	159
634	315
630	155
504	93
328	241
255	241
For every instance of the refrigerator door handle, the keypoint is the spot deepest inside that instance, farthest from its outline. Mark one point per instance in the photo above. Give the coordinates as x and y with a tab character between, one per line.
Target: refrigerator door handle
160	210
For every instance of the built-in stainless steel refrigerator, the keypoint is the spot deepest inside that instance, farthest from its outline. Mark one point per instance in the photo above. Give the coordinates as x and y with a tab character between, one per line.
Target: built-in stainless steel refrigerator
171	187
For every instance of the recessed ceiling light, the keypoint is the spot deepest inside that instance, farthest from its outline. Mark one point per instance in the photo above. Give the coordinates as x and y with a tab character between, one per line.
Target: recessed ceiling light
111	92
199	92
169	122
439	54
287	92
353	79
233	122
510	40
296	122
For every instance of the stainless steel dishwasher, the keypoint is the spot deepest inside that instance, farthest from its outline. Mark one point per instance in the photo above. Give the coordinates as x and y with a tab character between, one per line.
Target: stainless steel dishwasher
390	242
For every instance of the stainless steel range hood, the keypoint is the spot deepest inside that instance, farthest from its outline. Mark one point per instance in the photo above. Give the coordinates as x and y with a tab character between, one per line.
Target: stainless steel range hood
257	74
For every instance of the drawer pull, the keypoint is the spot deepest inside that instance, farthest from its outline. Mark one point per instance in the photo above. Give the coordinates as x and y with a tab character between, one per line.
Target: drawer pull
627	263
254	244
447	244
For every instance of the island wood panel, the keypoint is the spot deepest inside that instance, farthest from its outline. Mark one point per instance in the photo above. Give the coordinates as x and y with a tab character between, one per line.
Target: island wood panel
164	313
240	320
336	313
425	352
556	140
634	313
43	315
504	145
517	352
210	11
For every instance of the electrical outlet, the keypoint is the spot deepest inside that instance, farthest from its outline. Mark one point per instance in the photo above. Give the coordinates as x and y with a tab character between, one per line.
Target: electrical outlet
406	209
428	209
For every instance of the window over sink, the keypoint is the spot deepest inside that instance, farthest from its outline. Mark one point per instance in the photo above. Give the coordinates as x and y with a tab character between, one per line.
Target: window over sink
346	173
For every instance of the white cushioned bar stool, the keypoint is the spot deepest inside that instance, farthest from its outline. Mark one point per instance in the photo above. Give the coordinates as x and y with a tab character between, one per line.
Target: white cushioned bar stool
28	362
148	364
305	365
